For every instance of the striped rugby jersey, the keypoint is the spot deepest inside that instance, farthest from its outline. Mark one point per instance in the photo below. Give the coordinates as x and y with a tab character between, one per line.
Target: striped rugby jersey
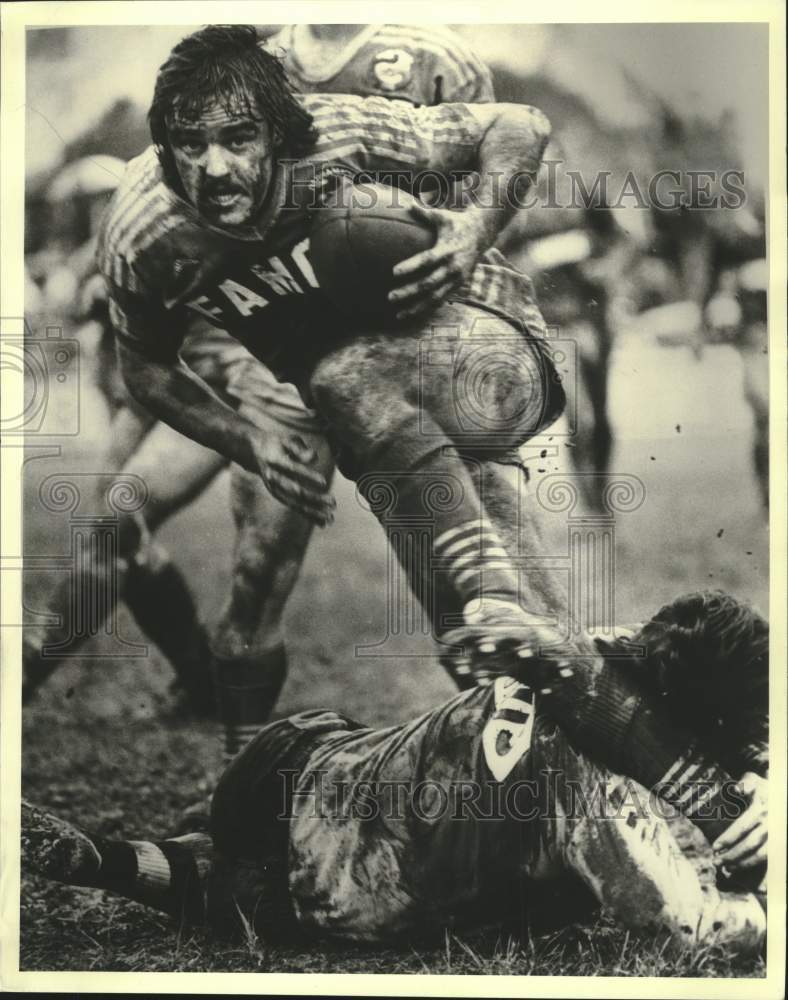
164	263
423	64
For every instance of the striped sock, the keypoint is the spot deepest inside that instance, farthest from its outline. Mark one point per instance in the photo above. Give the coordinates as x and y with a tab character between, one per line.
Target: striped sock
701	790
247	689
422	488
476	561
167	875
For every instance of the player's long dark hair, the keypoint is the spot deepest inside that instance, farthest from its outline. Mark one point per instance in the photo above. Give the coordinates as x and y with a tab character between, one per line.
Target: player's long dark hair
708	654
709	635
225	63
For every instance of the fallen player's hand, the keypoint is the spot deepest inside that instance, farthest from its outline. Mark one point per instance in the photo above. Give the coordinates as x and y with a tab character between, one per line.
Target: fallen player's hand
430	277
285	464
744	843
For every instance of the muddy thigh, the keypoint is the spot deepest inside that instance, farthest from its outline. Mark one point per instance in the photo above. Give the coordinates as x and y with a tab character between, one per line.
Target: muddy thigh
478	377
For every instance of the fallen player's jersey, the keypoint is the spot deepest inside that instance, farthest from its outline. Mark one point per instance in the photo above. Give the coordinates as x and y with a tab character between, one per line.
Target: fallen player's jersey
163	262
411	827
422	64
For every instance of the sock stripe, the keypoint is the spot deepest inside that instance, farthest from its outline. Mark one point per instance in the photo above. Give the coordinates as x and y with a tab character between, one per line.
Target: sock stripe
687	777
237	735
198	847
709	793
473	528
694	786
677	765
470	542
469	574
153	868
484	541
483	559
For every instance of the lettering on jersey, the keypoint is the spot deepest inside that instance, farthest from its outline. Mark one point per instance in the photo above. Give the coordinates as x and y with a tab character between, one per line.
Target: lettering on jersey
392	68
253	288
507	735
244	299
277	277
300	256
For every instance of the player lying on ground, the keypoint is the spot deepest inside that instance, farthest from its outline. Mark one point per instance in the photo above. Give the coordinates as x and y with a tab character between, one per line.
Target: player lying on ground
422	65
325	826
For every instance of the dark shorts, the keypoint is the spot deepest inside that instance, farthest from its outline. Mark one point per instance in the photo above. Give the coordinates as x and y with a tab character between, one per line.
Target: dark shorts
250	818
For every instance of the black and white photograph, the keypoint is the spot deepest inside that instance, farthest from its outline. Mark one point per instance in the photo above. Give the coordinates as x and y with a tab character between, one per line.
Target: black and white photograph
394	498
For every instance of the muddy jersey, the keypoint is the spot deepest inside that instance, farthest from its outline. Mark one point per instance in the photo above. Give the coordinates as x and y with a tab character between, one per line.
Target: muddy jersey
422	64
164	263
397	829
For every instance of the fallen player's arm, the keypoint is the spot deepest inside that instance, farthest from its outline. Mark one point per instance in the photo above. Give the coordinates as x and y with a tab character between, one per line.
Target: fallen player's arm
745	843
177	396
512	143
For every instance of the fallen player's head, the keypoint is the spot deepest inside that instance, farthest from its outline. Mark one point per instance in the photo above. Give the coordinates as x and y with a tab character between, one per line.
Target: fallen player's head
222	113
708	652
710	634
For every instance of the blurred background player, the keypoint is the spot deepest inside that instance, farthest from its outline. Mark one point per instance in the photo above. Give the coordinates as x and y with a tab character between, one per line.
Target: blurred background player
73	291
716	272
422	65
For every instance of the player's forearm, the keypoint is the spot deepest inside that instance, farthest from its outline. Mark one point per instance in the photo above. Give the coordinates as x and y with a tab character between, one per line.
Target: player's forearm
510	153
178	397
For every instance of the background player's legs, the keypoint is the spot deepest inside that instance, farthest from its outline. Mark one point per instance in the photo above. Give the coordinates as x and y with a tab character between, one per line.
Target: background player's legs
594	440
605	829
175	470
128	429
248	650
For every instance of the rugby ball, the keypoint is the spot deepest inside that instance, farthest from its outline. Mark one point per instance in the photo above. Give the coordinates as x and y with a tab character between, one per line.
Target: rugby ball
357	240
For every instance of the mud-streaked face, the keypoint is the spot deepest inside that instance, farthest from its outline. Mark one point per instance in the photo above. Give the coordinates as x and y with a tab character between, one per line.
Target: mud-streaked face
224	157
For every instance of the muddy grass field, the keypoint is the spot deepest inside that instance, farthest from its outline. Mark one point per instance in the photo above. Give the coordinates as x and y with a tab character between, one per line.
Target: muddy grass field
103	747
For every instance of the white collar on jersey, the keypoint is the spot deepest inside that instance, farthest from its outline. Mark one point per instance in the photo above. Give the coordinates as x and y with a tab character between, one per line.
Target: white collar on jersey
294	38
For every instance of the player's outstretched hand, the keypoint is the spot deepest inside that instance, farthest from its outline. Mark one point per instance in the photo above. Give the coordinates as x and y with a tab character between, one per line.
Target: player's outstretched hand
286	468
430	277
744	843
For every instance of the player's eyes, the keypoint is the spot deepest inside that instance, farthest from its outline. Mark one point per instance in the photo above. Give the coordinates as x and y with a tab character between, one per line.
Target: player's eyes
239	141
190	146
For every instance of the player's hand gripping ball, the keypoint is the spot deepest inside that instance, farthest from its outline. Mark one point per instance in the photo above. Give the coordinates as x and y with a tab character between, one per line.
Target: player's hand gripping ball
356	242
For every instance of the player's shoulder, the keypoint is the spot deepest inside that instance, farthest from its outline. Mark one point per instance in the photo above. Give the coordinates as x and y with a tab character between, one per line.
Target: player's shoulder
347	111
444	45
441	37
141	211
